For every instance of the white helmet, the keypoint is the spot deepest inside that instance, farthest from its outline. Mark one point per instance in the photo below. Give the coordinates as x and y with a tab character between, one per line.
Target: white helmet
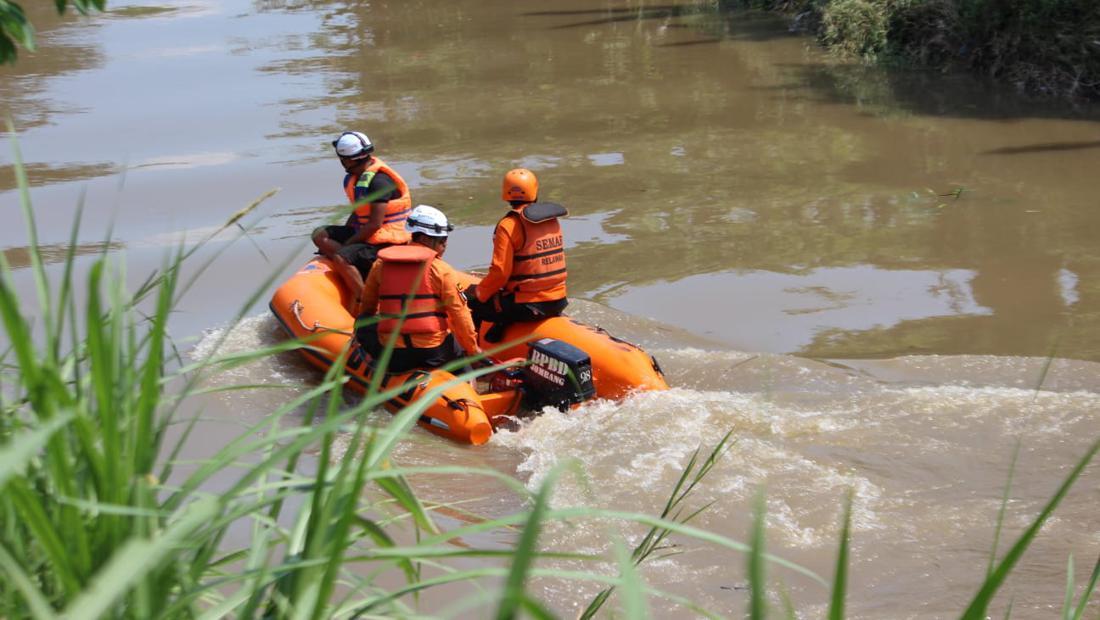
353	144
428	220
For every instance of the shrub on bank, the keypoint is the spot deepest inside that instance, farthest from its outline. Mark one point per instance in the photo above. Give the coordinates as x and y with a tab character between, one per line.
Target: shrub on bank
1049	47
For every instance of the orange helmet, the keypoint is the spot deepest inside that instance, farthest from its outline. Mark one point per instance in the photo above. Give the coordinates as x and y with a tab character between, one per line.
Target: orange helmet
520	185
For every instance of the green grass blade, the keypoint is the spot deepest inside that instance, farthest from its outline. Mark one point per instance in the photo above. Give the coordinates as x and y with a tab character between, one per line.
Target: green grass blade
1001	511
758	599
382	539
303	588
18	331
537	611
449	470
632	592
130	563
689	478
840	578
679	528
788	605
34	515
304	592
1087	594
469	576
344	521
1067	603
1045	370
144	443
87	438
978	606
398	488
17	29
64	293
243	445
514	588
16	453
100	355
36	602
37	267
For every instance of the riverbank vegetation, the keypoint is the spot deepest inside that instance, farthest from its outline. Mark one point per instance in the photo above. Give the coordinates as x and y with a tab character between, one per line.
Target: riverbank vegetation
17	31
1046	47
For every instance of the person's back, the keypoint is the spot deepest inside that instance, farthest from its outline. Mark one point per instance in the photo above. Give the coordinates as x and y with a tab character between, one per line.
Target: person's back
527	277
415	296
538	253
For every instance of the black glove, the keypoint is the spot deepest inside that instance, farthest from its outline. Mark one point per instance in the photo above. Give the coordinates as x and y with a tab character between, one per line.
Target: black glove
471	293
484	362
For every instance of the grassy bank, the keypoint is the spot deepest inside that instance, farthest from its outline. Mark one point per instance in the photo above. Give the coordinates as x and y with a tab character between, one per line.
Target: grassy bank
1045	47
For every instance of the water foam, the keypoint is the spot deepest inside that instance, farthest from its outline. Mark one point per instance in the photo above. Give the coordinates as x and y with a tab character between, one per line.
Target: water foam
808	431
632	452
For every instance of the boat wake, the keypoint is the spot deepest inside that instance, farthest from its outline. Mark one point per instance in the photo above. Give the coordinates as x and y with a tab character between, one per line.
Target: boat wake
923	443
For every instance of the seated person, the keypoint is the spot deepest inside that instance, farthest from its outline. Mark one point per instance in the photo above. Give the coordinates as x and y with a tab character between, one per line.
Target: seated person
416	276
382	202
526	280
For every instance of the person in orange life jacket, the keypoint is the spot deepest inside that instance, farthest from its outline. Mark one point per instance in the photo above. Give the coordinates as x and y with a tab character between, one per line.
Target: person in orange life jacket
526	280
436	321
382	203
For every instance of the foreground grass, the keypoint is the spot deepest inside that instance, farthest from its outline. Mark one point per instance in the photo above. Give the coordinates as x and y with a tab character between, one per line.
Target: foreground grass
96	521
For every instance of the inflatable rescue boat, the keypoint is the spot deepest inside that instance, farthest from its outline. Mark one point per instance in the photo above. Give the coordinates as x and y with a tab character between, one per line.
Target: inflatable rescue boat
566	362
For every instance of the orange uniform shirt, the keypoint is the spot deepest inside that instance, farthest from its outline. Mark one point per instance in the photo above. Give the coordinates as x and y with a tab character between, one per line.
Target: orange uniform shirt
508	238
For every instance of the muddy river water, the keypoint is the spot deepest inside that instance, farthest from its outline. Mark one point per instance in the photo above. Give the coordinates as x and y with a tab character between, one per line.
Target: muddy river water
859	272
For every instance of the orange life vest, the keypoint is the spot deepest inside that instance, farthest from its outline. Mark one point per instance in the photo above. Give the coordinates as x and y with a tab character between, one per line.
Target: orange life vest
397	209
538	266
405	280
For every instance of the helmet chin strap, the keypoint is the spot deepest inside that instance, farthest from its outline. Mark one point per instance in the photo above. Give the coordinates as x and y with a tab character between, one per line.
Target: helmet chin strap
351	164
433	243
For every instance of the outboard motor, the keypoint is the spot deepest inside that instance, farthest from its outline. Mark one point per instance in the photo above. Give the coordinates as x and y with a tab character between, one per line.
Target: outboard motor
558	375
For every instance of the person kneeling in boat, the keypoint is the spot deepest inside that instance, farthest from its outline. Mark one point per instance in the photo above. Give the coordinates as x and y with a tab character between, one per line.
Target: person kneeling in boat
382	202
526	280
436	315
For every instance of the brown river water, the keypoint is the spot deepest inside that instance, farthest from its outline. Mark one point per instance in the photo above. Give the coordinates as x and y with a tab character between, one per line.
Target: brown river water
859	272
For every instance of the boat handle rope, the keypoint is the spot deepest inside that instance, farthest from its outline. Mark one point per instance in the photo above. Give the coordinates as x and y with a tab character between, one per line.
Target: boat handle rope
296	310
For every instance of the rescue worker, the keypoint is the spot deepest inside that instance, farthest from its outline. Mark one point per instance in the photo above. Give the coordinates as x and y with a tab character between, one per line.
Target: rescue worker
382	202
436	321
526	280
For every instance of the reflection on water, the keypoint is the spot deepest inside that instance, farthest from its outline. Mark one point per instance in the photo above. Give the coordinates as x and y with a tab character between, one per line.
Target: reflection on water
42	174
606	159
20	258
1067	282
766	311
183	162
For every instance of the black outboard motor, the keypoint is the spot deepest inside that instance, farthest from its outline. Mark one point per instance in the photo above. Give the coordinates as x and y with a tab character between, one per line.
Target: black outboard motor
558	375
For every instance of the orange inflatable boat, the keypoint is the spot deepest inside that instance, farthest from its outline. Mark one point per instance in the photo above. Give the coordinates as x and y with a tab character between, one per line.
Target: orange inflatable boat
566	362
